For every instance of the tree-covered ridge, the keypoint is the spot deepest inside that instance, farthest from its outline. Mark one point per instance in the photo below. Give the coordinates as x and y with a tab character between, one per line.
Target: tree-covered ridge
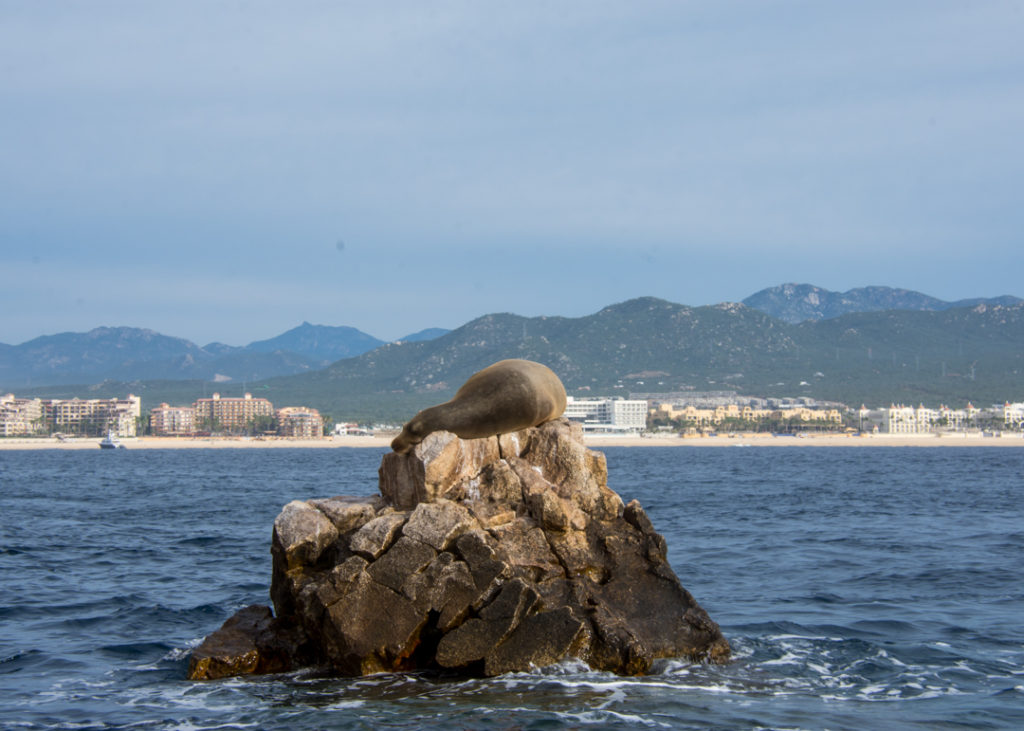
651	345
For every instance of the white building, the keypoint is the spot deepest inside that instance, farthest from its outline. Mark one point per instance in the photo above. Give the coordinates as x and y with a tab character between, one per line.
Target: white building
300	422
922	420
350	429
910	420
167	420
1013	414
21	416
94	417
608	415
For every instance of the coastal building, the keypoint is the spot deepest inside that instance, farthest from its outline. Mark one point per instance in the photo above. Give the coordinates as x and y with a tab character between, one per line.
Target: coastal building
232	414
900	419
704	418
1013	415
608	415
908	419
299	422
172	421
955	419
21	416
94	417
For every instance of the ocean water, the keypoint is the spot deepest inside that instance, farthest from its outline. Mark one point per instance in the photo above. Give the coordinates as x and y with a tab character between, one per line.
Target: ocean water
860	588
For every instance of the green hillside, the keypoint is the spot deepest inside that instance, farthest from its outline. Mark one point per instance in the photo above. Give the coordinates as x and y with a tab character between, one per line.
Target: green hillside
650	345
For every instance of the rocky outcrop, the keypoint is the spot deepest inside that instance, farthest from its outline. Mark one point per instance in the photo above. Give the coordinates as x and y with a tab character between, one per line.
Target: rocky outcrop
484	556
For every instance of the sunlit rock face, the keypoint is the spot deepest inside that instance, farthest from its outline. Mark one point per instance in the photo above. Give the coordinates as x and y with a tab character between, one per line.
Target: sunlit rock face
483	556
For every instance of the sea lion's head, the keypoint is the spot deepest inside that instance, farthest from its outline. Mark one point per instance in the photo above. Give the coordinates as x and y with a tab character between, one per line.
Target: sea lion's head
412	434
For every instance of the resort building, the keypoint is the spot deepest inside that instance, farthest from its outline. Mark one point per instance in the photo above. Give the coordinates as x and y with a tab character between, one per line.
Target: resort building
172	421
699	418
608	415
923	420
94	417
907	420
232	414
1013	415
21	416
299	422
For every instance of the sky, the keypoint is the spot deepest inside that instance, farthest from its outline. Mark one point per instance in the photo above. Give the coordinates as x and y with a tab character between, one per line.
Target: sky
223	171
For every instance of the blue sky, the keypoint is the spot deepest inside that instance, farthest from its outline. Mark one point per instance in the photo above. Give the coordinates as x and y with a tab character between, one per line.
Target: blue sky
224	171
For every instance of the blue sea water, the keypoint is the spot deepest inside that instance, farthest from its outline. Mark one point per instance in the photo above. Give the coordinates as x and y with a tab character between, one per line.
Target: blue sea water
859	588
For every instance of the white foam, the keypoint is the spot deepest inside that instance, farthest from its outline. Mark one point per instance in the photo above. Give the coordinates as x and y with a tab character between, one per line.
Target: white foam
790	658
602	717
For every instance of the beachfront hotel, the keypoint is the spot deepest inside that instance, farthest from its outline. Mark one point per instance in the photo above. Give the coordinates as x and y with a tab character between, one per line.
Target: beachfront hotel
1013	415
81	417
231	413
95	417
21	417
607	414
172	421
709	418
299	422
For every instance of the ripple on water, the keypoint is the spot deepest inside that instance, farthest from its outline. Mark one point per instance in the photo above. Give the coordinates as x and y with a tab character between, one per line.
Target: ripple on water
852	596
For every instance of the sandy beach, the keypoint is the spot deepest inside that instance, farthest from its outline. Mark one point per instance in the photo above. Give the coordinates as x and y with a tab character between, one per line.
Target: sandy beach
595	441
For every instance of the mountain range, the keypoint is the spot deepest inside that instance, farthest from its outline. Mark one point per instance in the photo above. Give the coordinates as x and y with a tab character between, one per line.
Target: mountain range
643	345
136	354
795	303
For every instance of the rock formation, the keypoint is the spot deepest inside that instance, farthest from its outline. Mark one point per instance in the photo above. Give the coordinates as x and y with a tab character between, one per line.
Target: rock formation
483	556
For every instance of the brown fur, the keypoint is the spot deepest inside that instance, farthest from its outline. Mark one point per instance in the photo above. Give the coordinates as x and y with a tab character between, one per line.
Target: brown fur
502	398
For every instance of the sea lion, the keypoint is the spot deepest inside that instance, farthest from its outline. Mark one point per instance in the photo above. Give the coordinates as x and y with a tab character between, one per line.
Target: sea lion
502	398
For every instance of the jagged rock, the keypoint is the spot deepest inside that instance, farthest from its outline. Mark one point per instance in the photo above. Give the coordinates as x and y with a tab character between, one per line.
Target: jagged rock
540	639
301	533
486	556
438	524
404	559
348	513
374	536
370	629
250	642
475	638
438	464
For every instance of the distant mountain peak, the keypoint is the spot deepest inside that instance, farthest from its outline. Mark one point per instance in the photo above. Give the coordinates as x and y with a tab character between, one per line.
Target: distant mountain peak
320	342
796	303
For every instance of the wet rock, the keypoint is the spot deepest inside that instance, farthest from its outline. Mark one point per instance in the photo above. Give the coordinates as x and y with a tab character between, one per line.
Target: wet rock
476	637
539	640
484	556
370	629
249	642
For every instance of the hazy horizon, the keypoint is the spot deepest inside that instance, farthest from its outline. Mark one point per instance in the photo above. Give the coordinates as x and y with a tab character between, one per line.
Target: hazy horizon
406	333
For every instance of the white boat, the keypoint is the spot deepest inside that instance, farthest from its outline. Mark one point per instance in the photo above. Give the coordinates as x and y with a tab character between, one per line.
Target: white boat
111	442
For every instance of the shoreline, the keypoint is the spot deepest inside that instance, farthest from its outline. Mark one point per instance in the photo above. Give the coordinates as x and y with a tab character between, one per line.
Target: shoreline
594	441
